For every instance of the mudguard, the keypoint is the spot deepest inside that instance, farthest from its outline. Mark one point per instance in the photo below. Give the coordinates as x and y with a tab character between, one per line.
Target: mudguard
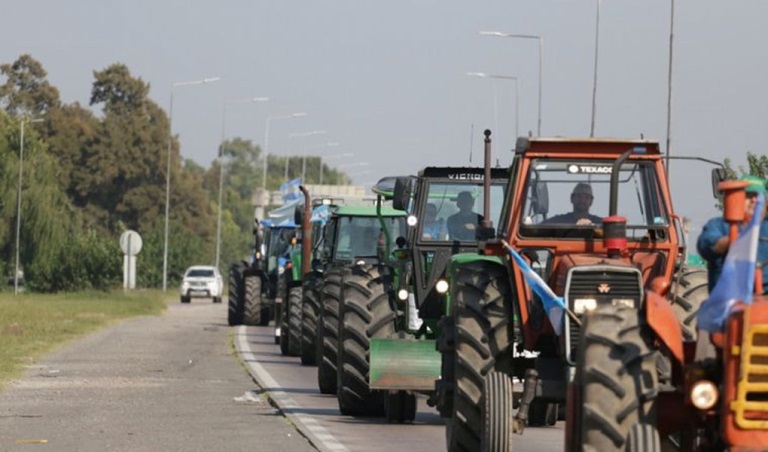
662	320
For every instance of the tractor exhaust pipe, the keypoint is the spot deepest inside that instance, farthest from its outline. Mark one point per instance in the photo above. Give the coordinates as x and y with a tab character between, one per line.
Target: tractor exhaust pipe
487	223
306	233
614	225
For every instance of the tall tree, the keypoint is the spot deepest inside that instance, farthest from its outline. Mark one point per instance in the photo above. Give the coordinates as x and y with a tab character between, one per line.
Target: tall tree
26	90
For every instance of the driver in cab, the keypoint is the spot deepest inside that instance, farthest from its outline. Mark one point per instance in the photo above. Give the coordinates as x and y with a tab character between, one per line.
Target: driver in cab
581	200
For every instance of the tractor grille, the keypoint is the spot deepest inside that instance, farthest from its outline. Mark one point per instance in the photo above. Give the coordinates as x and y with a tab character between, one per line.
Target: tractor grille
751	404
606	285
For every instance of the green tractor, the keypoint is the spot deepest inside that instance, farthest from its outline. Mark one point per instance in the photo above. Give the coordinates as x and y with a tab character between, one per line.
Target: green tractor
441	221
354	240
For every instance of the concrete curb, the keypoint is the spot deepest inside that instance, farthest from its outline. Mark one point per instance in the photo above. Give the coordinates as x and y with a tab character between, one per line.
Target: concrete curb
307	425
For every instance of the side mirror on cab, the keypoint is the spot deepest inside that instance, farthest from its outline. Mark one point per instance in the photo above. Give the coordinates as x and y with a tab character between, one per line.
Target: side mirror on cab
540	203
402	194
718	175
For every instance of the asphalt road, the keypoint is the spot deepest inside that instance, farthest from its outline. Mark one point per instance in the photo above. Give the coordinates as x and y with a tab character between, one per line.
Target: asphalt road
293	387
168	383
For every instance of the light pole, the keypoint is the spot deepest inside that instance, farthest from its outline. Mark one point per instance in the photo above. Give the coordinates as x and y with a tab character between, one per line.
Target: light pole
266	154
594	81
517	97
669	80
299	135
348	154
541	51
304	159
221	165
18	201
168	169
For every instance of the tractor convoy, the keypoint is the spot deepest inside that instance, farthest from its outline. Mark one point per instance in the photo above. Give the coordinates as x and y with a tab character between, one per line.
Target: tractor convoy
511	298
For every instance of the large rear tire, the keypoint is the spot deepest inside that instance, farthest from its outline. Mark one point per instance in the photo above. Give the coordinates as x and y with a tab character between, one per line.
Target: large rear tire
236	290
365	314
497	413
328	332
690	290
310	307
252	300
616	372
483	341
291	328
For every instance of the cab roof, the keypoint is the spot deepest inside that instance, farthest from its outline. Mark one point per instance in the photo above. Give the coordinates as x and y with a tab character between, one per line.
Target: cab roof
595	146
366	211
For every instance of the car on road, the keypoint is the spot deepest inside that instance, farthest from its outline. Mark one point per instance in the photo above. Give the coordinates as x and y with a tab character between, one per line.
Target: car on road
202	281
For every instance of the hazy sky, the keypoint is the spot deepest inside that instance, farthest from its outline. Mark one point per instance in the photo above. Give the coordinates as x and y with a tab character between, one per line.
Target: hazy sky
387	80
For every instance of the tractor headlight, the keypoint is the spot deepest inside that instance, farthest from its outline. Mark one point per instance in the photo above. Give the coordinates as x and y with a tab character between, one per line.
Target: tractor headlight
441	286
704	394
412	220
402	294
582	305
627	302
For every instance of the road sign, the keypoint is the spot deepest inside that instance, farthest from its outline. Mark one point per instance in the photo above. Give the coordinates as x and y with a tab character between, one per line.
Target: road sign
130	242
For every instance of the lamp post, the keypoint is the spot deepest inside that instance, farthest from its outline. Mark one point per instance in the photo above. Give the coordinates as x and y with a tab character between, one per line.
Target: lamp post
594	80
669	80
541	51
168	169
304	159
266	153
349	154
299	135
221	165
18	200
517	97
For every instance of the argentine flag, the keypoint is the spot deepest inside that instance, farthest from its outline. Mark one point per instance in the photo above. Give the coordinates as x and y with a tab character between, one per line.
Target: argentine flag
290	190
737	280
554	306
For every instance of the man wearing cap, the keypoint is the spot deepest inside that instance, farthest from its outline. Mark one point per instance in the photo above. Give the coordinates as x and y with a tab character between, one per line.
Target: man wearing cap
581	199
714	240
463	224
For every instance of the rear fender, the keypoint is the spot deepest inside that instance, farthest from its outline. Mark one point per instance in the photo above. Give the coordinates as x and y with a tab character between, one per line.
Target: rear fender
663	321
460	259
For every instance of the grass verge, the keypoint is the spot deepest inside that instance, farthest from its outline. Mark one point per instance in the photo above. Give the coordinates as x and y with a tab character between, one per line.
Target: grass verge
32	325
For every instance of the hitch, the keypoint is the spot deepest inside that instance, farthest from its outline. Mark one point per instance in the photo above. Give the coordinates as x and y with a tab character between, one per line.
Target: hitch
529	393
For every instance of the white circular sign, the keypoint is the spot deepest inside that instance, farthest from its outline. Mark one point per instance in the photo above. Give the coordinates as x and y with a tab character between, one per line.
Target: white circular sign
130	242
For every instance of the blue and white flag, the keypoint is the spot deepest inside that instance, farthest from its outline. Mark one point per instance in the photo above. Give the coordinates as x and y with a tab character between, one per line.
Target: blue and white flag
290	190
320	214
737	280
554	306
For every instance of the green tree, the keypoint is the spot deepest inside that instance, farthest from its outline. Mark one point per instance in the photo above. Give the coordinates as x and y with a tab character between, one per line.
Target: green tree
26	90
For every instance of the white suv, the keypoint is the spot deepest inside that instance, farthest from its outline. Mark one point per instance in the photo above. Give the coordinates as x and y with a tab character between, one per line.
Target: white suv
202	281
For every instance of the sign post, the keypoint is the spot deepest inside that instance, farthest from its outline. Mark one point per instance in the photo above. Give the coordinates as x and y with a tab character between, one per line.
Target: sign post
130	244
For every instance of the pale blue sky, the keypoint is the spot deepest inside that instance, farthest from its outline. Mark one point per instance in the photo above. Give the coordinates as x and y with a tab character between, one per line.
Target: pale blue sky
387	79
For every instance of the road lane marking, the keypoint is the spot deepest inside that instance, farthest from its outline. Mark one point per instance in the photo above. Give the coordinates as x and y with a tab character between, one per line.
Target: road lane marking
309	426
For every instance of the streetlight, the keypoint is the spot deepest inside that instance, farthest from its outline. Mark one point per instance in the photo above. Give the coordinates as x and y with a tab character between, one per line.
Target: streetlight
541	51
517	97
168	169
594	81
304	159
669	79
299	135
221	165
348	154
266	153
18	201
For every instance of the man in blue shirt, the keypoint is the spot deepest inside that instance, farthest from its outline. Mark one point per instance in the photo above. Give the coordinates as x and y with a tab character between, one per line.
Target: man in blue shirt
714	241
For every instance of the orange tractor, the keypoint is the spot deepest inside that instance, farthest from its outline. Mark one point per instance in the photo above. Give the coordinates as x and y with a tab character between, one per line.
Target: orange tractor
600	298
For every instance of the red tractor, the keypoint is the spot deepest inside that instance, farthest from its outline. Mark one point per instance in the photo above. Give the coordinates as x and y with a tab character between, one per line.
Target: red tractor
599	298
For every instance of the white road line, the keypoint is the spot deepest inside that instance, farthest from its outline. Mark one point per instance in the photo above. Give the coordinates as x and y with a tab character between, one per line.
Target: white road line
309	426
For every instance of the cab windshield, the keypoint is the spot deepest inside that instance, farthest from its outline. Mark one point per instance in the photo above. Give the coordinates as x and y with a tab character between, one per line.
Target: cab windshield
453	211
361	236
563	197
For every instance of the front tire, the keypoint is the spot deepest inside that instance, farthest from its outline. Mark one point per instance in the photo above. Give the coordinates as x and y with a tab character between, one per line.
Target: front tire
483	341
690	290
616	372
236	290
328	332
496	413
310	307
252	300
291	323
365	314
